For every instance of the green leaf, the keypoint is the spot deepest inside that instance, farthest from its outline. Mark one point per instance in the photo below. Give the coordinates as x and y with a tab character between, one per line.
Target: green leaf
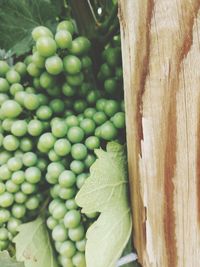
33	245
7	261
105	191
18	18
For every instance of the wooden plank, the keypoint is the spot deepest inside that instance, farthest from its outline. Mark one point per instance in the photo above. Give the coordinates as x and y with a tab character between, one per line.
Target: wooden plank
161	56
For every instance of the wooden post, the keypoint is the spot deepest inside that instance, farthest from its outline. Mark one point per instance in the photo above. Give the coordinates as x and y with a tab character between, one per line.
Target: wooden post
161	60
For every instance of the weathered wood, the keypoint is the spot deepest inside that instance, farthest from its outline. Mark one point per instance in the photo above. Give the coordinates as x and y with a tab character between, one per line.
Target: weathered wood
161	60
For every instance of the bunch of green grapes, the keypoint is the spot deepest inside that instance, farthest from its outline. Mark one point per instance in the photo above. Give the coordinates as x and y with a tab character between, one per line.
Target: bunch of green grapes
110	73
52	118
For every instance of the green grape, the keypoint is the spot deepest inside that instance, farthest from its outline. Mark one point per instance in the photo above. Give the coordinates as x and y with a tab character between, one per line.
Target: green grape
72	64
80	180
28	188
67	249
101	104
72	219
33	70
46	141
46	46
68	90
57	105
110	86
66	262
2	188
38	60
10	143
35	127
67	179
11	109
93	96
54	65
51	223
63	39
73	121
13	225
13	77
79	260
99	117
20	67
53	156
6	200
33	175
4	215
7	124
18	211
41	31
75	134
67	193
119	120
29	159
75	79
3	234
62	147
76	234
88	126
59	233
46	80
80	46
16	87
5	173
80	245
77	166
26	144
108	131
31	101
89	113
32	203
89	160
86	62
44	113
20	197
19	128
59	212
55	169
14	164
11	187
111	107
59	128
3	98
19	97
4	68
79	105
71	204
4	85
66	25
18	177
92	142
79	151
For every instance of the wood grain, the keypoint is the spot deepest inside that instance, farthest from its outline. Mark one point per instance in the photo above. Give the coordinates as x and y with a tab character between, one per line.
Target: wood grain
161	59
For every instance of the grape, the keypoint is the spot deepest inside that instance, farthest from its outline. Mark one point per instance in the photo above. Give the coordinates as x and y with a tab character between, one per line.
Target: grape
72	64
67	179
14	164
76	234
31	101
66	25
4	85
88	126
12	76
46	46
62	147
19	128
4	68
33	175
79	151
75	134
18	177
59	233
11	109
35	127
10	142
72	219
67	249
63	39
54	65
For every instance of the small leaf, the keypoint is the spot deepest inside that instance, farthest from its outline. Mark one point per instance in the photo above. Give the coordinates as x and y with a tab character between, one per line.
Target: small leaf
7	261
33	245
105	191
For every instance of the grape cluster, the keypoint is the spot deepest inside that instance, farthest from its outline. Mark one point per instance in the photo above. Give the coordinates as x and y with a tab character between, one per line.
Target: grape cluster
52	118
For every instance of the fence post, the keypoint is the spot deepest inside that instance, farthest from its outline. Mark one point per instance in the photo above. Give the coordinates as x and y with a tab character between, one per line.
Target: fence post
161	61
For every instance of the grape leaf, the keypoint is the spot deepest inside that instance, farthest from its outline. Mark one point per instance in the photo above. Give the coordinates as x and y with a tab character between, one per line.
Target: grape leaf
105	191
7	261
33	245
18	18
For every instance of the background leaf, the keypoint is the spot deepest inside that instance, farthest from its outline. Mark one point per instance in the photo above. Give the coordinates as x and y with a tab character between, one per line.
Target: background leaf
18	18
7	261
105	191
33	245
